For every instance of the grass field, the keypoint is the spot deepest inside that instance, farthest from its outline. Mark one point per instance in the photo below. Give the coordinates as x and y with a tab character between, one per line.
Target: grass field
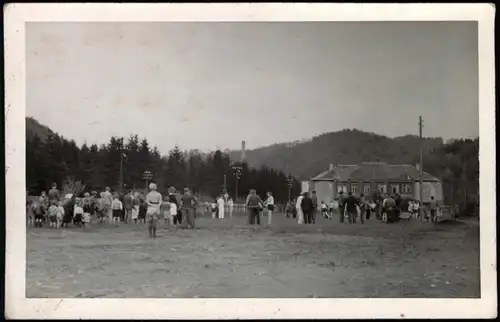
227	258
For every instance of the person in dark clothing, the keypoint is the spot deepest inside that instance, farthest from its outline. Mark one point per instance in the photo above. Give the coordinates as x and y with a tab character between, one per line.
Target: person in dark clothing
397	211
54	193
254	204
143	208
350	205
172	198
341	206
188	206
307	206
314	200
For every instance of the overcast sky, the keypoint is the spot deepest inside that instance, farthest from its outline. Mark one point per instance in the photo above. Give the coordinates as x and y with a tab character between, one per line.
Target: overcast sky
212	85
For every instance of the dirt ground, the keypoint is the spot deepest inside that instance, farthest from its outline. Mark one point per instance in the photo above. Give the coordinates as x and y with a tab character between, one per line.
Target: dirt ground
227	258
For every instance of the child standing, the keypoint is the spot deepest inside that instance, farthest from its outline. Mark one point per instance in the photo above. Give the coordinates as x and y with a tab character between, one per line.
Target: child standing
174	212
78	215
39	211
87	210
117	208
324	210
60	214
165	209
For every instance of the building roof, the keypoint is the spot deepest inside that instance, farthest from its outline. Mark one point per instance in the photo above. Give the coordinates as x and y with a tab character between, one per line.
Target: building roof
373	171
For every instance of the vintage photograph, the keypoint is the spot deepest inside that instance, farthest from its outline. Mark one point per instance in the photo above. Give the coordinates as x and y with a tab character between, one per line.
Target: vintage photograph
266	159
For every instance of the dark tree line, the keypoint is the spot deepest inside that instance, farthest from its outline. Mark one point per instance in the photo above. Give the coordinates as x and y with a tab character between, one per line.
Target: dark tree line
55	159
456	164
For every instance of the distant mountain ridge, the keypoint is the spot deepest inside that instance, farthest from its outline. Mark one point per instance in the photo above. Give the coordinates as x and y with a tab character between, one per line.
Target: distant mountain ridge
308	158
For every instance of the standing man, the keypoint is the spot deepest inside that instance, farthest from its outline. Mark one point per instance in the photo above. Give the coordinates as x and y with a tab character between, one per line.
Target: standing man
350	208
269	204
128	204
307	206
254	203
342	206
362	208
314	199
220	205
188	206
433	208
107	200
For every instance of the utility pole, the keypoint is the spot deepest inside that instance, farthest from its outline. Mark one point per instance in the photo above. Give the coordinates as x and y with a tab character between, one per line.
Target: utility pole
147	175
290	184
420	126
121	165
237	173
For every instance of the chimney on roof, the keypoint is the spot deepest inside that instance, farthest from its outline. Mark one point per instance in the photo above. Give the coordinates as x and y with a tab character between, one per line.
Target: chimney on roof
331	166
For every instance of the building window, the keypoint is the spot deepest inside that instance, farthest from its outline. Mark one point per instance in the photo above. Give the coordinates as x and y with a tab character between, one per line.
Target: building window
394	188
341	188
366	189
382	188
354	188
406	188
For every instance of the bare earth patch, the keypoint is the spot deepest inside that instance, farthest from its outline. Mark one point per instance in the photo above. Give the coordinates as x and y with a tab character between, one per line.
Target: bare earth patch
226	258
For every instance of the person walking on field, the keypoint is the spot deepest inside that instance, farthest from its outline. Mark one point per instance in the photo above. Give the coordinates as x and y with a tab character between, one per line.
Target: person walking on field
188	206
254	204
298	209
154	201
220	205
269	204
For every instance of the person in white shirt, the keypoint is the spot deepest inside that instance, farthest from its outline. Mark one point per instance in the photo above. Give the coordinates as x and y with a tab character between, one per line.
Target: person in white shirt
220	205
269	204
324	210
77	214
173	211
231	207
298	208
154	201
116	207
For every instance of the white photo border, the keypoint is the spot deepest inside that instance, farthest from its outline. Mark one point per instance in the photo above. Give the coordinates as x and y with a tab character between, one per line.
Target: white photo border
20	307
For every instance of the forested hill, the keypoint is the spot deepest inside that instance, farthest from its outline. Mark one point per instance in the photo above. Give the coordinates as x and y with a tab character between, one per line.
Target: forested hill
309	158
33	127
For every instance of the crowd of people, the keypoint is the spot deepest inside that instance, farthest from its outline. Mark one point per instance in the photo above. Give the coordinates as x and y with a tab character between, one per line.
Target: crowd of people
350	208
176	209
58	211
